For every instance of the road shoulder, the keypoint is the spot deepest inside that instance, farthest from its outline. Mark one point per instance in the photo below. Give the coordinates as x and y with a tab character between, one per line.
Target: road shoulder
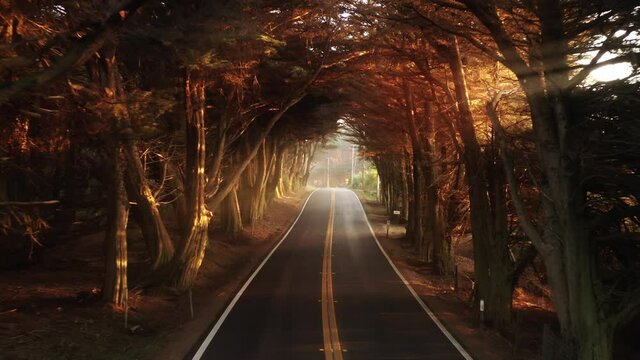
437	293
215	290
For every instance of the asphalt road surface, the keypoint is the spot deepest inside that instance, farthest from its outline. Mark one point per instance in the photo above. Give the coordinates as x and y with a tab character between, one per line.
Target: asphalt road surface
327	291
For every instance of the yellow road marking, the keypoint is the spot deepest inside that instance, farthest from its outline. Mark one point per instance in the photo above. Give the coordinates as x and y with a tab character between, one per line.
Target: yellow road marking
332	348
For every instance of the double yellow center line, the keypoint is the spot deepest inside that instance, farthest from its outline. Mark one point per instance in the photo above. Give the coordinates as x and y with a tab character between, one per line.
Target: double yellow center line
332	348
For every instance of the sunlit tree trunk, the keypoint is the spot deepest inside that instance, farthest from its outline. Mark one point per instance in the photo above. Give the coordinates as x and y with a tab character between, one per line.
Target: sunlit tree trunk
275	177
190	254
264	164
254	190
115	279
147	212
286	172
282	180
299	168
116	257
290	171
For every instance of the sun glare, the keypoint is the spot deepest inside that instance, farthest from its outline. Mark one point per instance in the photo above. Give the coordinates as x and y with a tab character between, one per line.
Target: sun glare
614	71
611	72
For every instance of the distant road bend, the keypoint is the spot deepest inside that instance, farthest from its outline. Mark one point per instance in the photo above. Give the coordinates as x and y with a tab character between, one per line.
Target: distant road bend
328	291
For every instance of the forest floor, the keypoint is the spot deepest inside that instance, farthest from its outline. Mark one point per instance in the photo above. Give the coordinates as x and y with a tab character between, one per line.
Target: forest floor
532	308
52	310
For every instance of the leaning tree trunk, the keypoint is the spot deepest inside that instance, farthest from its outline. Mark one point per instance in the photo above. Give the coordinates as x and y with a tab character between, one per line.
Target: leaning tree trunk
115	281
189	257
230	215
147	212
258	197
276	173
281	182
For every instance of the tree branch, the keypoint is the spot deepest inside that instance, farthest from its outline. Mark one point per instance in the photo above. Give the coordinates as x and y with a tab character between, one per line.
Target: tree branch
507	161
29	203
81	52
229	183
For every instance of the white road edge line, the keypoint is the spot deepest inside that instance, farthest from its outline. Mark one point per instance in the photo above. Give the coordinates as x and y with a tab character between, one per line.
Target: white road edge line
424	306
205	343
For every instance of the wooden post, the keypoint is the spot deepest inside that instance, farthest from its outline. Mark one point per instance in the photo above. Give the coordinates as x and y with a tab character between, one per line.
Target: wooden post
191	303
126	308
455	280
388	224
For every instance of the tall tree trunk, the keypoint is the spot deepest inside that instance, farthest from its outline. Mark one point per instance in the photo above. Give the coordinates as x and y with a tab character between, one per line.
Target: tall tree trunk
115	279
416	226
502	274
254	186
435	219
190	254
115	285
489	251
259	197
281	183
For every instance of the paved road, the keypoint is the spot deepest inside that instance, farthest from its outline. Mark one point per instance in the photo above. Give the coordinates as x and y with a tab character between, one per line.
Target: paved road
327	292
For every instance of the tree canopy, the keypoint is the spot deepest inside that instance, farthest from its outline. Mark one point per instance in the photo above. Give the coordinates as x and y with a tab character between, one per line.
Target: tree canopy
479	113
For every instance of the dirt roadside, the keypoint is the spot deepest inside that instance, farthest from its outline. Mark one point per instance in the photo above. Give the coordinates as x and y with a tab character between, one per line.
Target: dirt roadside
52	310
